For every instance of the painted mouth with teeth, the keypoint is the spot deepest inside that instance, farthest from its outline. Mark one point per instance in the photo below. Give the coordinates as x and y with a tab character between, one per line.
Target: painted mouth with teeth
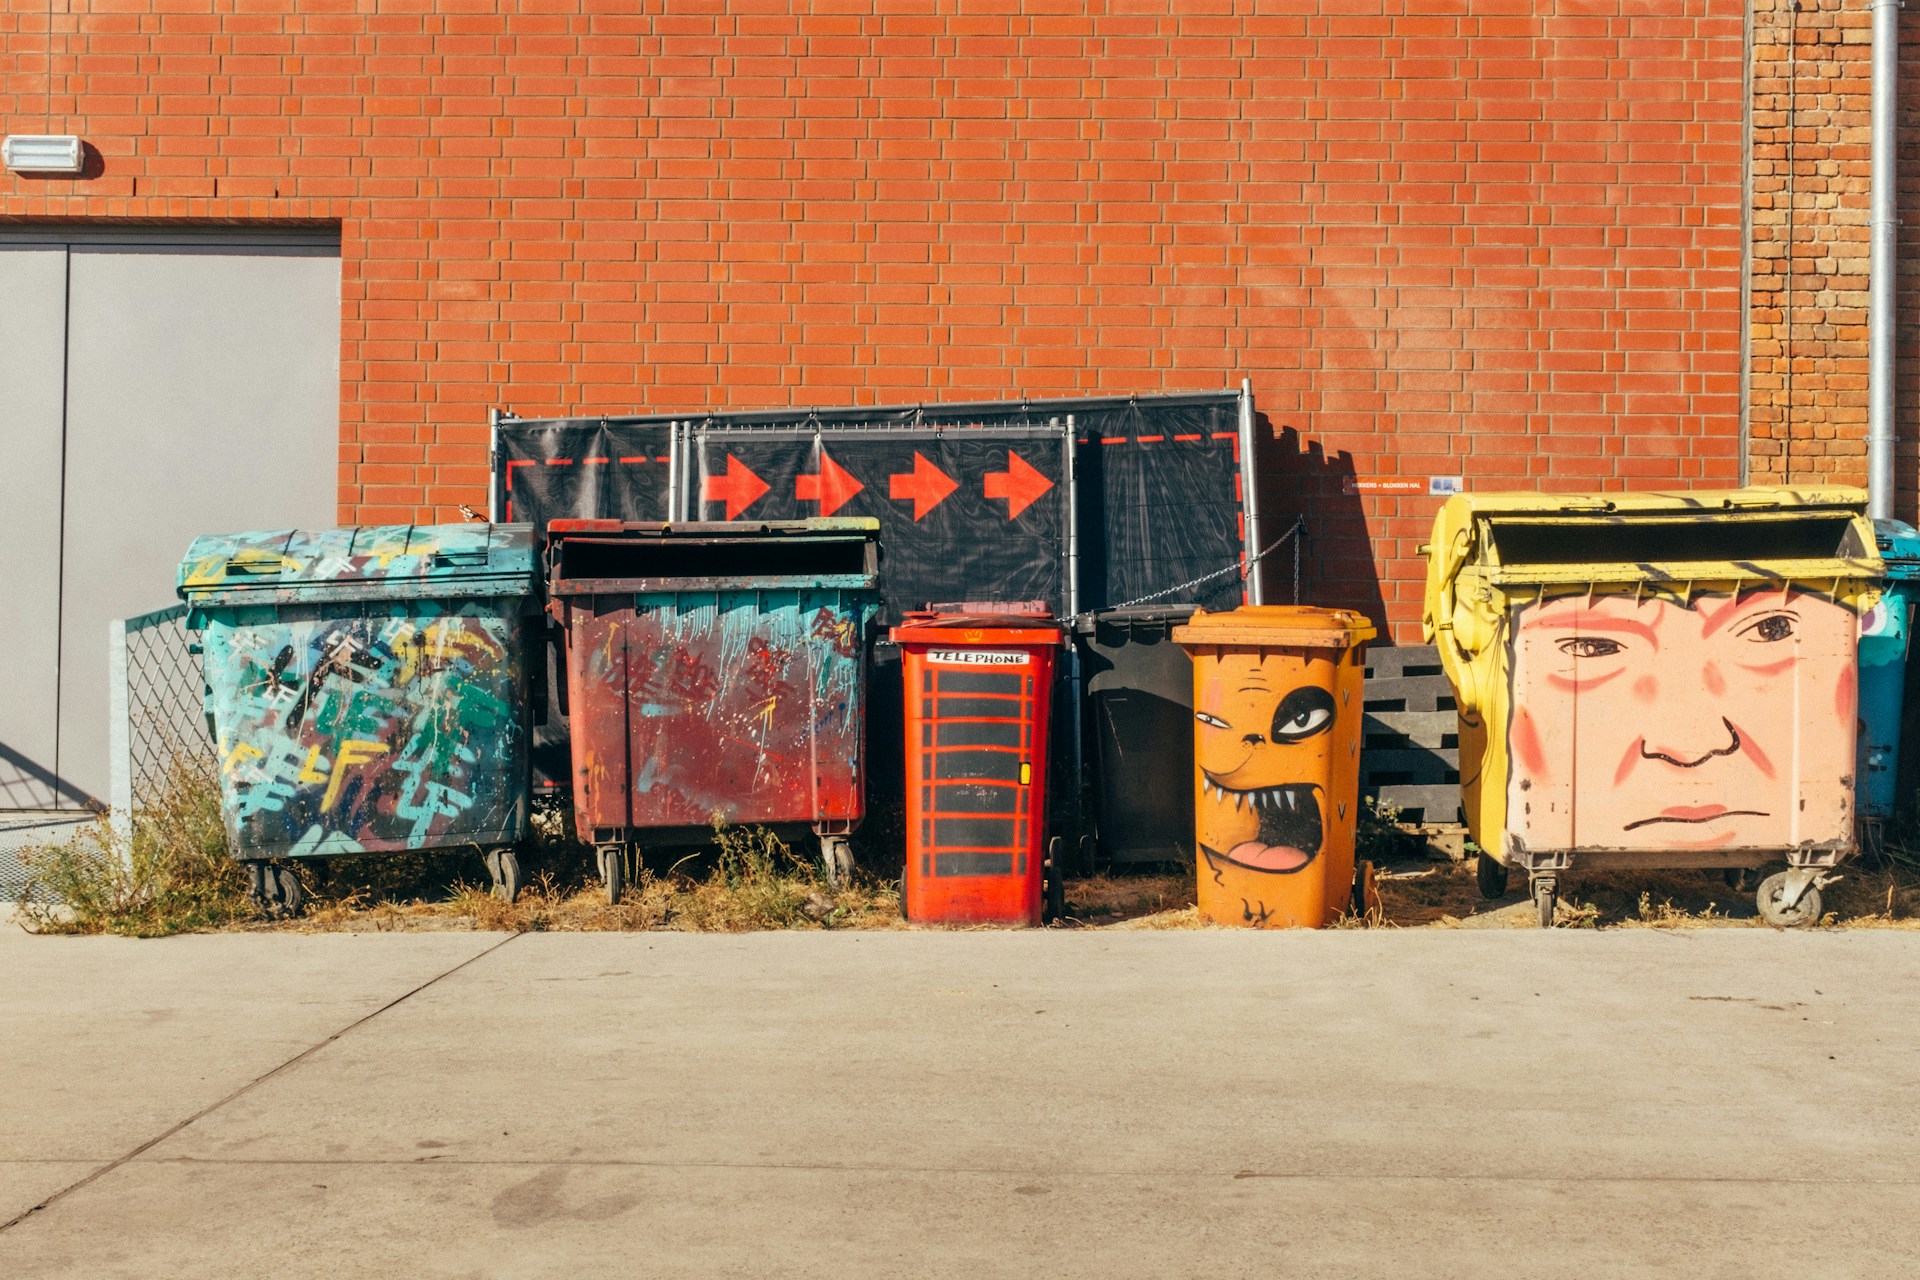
1290	830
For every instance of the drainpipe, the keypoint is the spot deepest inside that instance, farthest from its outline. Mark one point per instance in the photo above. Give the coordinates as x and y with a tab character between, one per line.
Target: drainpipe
1884	221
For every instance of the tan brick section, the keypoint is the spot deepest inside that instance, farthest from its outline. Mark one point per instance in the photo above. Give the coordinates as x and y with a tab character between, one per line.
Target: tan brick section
1811	79
1499	239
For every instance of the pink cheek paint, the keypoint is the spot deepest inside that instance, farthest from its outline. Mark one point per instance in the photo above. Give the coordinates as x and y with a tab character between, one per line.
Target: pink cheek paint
1715	683
1845	695
1646	688
1526	745
1627	761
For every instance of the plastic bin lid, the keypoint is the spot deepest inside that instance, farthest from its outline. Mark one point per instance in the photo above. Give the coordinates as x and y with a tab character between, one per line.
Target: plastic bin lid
1763	533
1020	622
1277	626
1139	615
1899	544
365	563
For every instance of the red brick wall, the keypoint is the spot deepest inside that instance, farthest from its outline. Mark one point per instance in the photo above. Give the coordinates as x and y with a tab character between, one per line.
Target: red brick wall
1504	245
1811	79
1812	85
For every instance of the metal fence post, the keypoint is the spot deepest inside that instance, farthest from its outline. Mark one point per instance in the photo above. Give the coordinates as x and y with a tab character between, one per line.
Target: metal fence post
119	736
1250	495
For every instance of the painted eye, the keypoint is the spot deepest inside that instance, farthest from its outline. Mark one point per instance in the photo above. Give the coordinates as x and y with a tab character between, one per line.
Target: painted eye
1590	647
1302	714
1215	721
1770	629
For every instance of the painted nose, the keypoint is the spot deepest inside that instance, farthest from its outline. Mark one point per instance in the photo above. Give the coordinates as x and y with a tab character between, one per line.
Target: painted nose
1254	739
1691	745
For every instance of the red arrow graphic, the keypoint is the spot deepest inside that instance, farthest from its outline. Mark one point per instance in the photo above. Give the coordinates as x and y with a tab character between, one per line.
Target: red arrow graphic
740	488
926	484
833	488
1019	484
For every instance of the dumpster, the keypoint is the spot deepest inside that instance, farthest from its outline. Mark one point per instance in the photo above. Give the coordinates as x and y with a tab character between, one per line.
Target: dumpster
367	690
715	673
1277	705
1885	629
1655	680
979	684
1139	708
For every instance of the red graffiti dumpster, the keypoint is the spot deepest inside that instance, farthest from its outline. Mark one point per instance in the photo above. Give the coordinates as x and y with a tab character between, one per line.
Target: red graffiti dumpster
714	673
979	680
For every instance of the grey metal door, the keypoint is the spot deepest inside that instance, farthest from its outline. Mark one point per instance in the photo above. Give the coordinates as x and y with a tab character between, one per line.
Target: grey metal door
33	322
199	392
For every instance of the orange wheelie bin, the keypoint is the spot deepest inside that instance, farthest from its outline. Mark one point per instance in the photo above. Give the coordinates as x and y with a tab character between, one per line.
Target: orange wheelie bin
979	681
1277	707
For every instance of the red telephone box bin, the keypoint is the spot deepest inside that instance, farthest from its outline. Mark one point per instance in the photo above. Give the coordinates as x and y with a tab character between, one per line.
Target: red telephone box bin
978	685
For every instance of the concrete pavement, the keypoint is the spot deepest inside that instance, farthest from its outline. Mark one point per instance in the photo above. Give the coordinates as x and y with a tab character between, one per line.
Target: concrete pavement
1424	1103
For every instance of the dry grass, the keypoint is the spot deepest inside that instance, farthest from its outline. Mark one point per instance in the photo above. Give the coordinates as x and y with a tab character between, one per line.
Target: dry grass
170	874
750	879
174	875
1445	895
1151	899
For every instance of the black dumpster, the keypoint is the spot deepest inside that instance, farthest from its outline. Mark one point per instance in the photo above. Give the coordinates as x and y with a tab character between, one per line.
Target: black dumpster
1138	708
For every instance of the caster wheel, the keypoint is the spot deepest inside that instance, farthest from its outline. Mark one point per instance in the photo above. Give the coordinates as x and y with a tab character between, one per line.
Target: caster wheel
504	866
1056	884
1736	878
291	895
1771	899
1491	874
613	871
1546	896
836	856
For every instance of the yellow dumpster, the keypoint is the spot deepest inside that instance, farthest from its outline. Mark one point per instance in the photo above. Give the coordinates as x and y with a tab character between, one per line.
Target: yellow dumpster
1277	706
1655	680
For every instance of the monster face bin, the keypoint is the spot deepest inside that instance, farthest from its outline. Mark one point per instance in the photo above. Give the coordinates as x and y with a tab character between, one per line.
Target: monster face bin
1277	706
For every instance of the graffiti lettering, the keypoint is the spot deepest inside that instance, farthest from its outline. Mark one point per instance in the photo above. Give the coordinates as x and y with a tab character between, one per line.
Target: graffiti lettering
351	753
838	630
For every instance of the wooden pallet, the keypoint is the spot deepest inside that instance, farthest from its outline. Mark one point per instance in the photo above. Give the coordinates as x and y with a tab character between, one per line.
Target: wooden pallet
1409	747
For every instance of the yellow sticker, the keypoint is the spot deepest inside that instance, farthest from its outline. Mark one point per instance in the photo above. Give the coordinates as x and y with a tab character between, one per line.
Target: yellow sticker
1026	774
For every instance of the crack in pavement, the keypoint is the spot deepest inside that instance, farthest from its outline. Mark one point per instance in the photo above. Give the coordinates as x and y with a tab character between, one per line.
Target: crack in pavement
246	1088
579	1162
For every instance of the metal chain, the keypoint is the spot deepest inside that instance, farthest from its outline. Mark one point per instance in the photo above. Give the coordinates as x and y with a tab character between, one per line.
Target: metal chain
1298	528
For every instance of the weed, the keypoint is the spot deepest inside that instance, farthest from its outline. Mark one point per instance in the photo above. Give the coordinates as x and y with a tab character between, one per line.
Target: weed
172	874
1378	836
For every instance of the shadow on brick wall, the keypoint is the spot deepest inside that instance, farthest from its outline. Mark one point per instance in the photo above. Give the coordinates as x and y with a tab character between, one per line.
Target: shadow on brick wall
1297	477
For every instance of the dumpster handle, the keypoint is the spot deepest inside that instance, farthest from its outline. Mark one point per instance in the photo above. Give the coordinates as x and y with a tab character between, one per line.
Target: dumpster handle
1446	645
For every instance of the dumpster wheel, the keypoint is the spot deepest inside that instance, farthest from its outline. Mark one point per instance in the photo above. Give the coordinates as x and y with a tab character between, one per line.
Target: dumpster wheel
1771	899
276	890
836	859
1546	895
613	871
503	865
1490	874
293	894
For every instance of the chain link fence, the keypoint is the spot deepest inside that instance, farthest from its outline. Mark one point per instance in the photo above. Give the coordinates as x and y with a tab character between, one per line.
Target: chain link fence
157	732
159	725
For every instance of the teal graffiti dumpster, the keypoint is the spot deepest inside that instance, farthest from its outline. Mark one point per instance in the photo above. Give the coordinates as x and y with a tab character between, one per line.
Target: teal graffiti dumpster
367	690
1885	630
